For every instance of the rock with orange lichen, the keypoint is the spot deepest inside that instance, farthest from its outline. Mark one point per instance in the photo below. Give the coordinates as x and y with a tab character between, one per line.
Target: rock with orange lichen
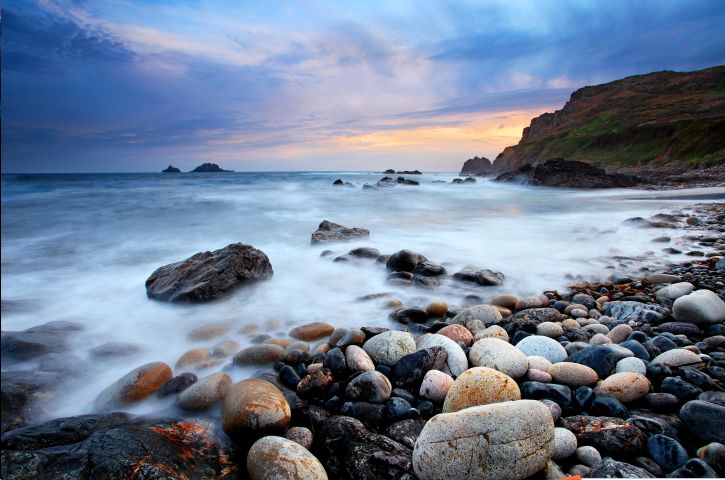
134	386
312	331
253	406
114	446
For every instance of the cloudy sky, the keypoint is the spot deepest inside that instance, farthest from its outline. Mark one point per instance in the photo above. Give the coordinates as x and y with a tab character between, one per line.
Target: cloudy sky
104	86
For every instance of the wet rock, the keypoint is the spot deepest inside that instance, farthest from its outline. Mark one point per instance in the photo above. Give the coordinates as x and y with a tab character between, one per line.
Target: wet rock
519	442
404	261
300	435
177	384
336	363
608	434
349	450
608	407
599	358
208	332
680	328
542	346
21	346
559	394
373	387
662	402
527	320
480	386
667	452
625	387
486	313
289	377
456	361
704	420
437	308
610	468
406	432
315	384
410	315
565	444
659	278
347	337
572	374
312	331
499	355
674	291
114	350
387	348
679	388
411	368
701	307
714	455
332	232
209	275
359	361
483	277
224	349
254	406
694	468
264	353
112	447
365	252
435	386
195	356
204	393
276	457
134	386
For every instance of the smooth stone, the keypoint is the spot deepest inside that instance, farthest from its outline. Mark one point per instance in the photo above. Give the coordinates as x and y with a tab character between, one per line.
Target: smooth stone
538	363
625	387
312	331
535	301
599	358
608	434
457	333
207	332
437	308
494	331
298	345
499	355
204	393
714	455
506	301
254	406
583	398
538	376
486	313
609	468
663	402
373	387
554	409
659	278
549	329
694	468
588	455
704	420
677	357
565	443
632	365
300	435
282	342
114	350
196	356
289	377
713	396
388	347
674	291
597	328
357	360
572	374
336	363
480	386
701	307
680	388
620	333
608	407
519	441
560	394
667	452
277	458
136	385
411	369
263	353
542	346
177	384
456	361
435	386
225	349
636	348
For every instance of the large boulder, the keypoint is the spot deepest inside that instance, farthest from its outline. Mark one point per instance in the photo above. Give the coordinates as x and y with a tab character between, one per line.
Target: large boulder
477	166
114	447
209	275
278	458
332	232
701	307
510	440
558	172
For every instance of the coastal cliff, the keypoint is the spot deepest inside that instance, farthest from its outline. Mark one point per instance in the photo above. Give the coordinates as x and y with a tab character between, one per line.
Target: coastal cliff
665	121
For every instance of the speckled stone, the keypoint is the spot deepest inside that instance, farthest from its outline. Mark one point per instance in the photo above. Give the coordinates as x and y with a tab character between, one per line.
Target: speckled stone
204	393
599	339
539	363
357	360
456	362
494	331
677	357
701	307
254	405
674	291
631	364
277	458
536	301
542	346
538	376
565	443
549	329
457	333
625	387
260	354
620	333
588	455
519	441
435	386
499	355
388	347
300	435
480	386
486	313
573	374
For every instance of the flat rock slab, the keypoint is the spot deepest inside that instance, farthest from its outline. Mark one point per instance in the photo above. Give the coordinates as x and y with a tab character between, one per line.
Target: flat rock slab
209	275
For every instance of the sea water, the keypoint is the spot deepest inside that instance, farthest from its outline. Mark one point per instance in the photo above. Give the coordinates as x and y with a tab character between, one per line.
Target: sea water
80	247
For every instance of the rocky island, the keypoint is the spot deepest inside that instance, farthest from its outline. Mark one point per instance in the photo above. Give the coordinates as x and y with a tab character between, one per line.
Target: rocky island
171	169
209	168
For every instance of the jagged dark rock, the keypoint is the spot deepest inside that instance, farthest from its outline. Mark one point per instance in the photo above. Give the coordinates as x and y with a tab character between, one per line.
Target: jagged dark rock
171	169
477	166
558	172
209	168
332	232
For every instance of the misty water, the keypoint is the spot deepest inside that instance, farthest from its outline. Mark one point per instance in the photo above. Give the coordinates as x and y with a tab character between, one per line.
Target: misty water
80	247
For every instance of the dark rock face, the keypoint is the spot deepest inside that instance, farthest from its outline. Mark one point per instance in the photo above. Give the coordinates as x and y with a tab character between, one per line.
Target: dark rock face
477	166
558	172
171	169
482	277
209	275
21	391
391	182
609	468
704	420
209	168
608	434
333	232
404	261
599	358
406	431
110	446
411	369
349	450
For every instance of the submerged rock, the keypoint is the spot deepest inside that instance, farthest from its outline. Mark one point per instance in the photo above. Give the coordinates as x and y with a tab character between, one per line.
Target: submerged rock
134	386
332	232
209	275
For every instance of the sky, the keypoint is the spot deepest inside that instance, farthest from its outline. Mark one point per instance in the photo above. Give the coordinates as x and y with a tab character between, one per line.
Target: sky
133	86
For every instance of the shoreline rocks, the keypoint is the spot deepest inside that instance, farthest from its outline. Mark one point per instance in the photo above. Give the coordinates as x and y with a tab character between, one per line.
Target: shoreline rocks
328	232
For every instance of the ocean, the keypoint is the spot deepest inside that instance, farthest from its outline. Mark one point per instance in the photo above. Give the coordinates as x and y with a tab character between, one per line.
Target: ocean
79	247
